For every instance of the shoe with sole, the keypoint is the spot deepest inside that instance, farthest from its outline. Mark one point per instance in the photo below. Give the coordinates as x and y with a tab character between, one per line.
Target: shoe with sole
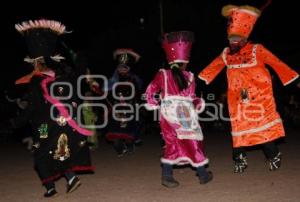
74	185
206	179
50	193
169	182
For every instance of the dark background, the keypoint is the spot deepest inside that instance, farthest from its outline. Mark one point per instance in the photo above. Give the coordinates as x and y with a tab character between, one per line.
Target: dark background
99	28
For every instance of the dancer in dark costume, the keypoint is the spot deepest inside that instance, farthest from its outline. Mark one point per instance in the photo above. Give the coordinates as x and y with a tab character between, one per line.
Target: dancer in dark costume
59	142
124	89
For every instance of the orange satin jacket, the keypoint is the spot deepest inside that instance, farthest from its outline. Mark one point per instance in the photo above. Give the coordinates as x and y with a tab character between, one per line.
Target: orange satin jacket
252	108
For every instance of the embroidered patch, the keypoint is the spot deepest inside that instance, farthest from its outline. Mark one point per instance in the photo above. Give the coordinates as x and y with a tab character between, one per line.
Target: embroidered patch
244	95
62	151
60	90
61	121
43	130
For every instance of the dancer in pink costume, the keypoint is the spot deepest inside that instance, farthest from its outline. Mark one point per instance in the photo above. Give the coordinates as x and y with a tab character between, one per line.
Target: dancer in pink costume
178	115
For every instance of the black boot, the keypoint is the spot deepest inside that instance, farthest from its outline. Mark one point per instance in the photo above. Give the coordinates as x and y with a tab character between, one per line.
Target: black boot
73	185
130	147
240	163
204	176
167	179
273	155
275	163
120	147
138	142
206	179
51	192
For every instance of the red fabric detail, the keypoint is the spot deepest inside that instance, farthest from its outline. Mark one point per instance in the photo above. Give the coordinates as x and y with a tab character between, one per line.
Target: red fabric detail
62	110
113	136
75	169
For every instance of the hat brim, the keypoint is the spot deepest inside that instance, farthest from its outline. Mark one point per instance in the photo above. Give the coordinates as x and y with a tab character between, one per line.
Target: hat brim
127	51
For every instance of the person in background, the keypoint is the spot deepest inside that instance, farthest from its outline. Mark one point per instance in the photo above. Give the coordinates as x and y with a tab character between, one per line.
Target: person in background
90	119
124	89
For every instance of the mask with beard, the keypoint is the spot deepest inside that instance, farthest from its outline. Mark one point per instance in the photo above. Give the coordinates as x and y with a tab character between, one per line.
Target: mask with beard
236	44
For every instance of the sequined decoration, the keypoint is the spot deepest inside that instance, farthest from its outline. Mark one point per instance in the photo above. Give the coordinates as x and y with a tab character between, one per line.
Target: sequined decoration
123	59
62	151
60	90
82	143
43	130
244	95
61	121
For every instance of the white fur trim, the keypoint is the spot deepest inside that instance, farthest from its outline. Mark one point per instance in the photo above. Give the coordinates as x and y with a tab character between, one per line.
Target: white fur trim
249	12
203	79
184	161
165	81
290	81
191	77
198	137
254	60
179	61
259	129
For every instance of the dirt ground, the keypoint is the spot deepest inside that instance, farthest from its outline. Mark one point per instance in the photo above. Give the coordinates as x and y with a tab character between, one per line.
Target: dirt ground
137	177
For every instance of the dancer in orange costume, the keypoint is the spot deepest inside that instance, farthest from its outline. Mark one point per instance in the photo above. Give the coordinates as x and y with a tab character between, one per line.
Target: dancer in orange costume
252	108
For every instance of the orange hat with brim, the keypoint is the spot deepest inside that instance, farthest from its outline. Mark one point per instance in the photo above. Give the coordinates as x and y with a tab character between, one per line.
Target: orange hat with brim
241	19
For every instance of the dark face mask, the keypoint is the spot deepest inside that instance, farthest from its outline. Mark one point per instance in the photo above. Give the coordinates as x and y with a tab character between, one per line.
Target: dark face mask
123	71
236	44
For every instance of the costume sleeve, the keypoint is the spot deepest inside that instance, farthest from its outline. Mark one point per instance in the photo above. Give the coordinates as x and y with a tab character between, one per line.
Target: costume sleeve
209	73
285	73
151	92
199	103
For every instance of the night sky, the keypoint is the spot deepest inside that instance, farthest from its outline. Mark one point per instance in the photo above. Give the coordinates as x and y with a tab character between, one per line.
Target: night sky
99	29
